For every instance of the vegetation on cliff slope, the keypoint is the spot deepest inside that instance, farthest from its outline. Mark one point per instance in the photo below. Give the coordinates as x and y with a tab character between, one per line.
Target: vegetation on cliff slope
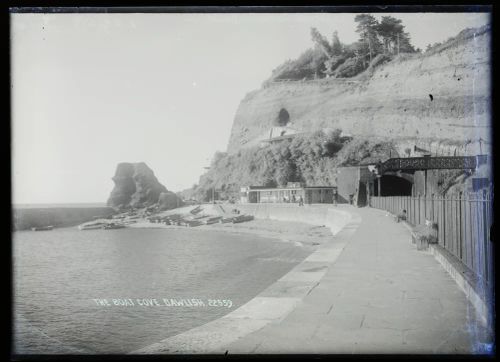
461	37
378	42
310	158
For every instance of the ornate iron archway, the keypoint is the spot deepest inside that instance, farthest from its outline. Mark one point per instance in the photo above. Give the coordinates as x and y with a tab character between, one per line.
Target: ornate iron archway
411	164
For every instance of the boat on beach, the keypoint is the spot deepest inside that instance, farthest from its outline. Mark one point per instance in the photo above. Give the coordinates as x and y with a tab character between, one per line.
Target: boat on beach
113	226
212	220
196	210
42	228
91	226
193	223
242	218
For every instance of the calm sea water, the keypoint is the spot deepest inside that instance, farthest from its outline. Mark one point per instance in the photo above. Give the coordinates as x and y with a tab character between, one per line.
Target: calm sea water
59	273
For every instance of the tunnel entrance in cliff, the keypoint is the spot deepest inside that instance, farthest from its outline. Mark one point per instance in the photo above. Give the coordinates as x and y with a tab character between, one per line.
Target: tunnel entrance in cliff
283	118
393	186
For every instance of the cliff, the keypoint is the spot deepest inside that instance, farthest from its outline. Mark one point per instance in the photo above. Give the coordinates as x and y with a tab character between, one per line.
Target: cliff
439	101
135	186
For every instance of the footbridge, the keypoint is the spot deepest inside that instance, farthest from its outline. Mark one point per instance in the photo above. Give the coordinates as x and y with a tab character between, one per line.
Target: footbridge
412	164
405	167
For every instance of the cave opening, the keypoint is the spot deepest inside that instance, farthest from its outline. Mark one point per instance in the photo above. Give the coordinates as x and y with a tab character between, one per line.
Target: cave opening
393	186
283	118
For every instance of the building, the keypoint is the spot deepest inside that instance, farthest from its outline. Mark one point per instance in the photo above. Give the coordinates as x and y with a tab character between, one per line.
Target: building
290	193
354	185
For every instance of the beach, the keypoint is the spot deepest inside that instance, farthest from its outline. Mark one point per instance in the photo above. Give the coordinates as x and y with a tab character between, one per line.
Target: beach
298	233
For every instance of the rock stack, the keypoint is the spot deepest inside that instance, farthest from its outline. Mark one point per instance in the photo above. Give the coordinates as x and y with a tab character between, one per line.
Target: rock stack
136	186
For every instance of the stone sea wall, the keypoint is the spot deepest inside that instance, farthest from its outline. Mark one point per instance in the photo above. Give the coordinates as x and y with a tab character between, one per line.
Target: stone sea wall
333	217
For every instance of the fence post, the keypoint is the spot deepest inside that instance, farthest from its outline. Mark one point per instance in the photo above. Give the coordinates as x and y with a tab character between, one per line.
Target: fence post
419	208
432	207
464	230
414	209
425	204
485	237
444	221
460	225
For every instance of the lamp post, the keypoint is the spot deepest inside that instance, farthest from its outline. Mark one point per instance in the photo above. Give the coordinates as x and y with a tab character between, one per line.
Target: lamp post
374	169
213	187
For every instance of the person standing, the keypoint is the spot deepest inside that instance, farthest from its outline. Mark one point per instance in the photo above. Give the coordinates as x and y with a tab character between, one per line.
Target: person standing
401	216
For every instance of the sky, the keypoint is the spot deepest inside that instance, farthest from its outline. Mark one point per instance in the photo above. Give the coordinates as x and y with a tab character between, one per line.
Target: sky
92	90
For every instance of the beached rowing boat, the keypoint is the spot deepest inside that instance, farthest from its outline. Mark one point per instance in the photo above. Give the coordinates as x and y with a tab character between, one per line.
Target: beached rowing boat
42	228
242	218
113	226
213	220
91	226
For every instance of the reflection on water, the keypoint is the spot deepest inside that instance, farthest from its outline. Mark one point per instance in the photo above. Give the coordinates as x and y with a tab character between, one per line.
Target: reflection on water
57	274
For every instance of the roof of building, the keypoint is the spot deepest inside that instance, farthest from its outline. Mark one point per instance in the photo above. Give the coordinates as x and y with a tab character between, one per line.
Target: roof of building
261	188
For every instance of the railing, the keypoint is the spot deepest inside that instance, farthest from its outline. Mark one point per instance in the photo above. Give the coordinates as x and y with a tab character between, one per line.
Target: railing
464	224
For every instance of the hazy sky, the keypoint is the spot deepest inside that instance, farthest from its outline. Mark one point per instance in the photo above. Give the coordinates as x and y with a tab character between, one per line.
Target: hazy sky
92	90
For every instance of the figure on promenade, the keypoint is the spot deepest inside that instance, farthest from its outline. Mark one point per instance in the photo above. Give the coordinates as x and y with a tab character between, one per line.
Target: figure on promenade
401	216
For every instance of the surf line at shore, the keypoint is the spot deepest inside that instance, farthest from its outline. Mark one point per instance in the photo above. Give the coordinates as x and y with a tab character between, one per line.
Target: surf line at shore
298	233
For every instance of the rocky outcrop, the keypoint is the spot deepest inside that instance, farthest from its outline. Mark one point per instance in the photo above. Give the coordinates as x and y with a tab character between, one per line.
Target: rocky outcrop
439	101
168	200
135	186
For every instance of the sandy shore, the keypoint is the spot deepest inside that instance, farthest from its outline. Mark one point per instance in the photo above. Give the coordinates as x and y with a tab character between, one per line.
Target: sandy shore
295	232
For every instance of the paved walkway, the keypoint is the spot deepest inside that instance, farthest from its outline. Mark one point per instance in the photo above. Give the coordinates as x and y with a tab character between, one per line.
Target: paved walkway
367	291
380	295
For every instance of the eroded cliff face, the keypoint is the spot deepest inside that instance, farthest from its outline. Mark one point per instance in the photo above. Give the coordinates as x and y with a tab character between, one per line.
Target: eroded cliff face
438	102
135	186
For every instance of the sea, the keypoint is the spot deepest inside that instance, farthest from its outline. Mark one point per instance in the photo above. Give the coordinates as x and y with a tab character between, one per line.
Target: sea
116	291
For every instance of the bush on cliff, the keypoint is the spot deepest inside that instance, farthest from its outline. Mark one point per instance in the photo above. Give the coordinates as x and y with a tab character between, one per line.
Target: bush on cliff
306	158
361	150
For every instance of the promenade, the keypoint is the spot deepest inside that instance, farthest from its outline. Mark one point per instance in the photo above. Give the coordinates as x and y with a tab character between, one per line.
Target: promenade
372	292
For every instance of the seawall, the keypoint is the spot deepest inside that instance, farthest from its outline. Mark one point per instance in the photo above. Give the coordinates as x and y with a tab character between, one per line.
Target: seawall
333	217
26	218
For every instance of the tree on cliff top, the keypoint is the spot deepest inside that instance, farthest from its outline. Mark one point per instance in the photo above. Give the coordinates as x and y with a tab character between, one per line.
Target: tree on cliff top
336	59
321	42
367	29
394	38
322	52
336	47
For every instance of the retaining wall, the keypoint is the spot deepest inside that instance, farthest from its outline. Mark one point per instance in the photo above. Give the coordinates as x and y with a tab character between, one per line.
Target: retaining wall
330	216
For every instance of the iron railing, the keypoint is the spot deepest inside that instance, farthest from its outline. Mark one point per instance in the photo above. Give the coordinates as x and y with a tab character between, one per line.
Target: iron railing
464	224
